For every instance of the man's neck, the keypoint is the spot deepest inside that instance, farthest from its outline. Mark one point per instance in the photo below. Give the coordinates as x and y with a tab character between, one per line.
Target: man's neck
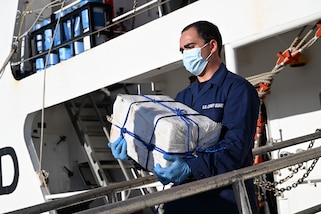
210	70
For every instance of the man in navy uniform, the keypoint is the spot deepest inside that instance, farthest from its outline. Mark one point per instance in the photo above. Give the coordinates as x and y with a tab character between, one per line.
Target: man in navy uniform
226	98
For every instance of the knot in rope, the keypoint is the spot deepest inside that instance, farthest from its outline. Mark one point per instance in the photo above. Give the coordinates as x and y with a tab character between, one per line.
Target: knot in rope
123	130
179	112
152	100
150	147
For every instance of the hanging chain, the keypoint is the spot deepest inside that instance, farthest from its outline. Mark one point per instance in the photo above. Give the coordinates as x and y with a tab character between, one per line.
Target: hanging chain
271	186
135	4
134	14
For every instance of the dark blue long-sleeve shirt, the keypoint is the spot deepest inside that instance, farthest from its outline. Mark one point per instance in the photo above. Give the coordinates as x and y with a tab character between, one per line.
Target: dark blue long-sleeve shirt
230	99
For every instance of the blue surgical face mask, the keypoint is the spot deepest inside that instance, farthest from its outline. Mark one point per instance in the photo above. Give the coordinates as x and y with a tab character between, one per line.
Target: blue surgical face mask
193	60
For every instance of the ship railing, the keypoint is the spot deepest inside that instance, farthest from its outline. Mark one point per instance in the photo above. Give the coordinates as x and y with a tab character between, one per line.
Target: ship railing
235	178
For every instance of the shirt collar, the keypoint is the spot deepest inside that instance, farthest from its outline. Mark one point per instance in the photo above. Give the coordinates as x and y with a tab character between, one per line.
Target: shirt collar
216	79
219	75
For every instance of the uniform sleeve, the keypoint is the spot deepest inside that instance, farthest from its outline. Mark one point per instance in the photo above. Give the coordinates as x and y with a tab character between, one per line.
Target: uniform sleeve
239	125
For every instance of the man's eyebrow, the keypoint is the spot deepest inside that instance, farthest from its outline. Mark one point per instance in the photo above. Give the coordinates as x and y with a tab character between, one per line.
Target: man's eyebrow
189	44
186	46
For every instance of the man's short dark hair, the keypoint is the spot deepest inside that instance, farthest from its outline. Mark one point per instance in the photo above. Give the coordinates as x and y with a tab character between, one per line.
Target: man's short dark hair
207	31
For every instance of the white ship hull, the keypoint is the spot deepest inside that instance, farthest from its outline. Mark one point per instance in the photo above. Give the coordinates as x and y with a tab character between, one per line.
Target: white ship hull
253	32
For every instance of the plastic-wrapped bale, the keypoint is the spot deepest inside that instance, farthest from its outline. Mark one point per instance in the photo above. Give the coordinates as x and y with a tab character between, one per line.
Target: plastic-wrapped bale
155	124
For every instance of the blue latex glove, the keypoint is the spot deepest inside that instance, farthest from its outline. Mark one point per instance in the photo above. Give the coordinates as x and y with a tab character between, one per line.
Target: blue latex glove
177	172
119	148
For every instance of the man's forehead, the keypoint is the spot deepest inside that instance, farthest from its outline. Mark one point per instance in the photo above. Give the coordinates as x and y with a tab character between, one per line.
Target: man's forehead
190	37
191	32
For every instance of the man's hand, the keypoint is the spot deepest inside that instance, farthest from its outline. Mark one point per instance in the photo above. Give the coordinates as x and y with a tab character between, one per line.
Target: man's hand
177	172
119	148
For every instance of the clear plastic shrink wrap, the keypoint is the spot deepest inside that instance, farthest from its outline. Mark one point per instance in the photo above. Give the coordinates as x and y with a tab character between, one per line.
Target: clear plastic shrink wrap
155	124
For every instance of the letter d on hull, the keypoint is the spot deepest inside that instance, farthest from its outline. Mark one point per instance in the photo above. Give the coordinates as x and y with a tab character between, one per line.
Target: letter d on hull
9	189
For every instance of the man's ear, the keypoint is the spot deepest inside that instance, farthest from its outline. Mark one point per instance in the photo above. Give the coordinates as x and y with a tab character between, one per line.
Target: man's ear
214	46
